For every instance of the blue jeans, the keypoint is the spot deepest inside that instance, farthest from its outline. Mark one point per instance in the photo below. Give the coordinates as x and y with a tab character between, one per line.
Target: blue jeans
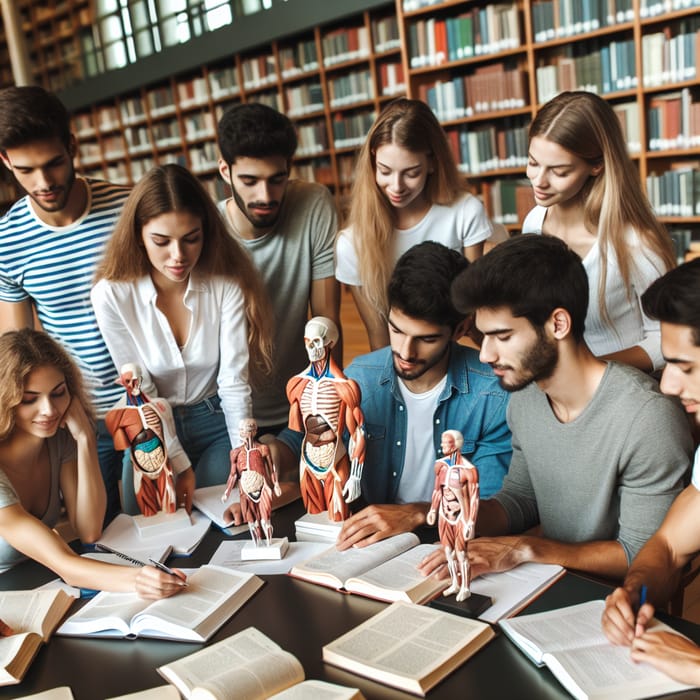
201	429
110	461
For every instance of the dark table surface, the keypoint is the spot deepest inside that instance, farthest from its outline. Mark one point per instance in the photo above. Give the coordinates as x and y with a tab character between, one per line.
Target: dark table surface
301	617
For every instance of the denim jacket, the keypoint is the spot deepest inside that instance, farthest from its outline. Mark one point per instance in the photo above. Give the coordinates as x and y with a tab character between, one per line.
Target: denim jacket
471	402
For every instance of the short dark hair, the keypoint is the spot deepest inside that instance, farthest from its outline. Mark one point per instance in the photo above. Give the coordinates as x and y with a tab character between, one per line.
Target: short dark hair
254	130
531	275
420	284
675	297
30	113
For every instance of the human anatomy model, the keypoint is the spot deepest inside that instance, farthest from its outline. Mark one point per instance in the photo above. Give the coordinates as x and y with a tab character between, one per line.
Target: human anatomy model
144	426
253	470
455	502
323	403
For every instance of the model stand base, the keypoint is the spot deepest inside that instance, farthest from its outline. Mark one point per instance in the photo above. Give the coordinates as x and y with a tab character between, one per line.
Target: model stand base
277	549
471	607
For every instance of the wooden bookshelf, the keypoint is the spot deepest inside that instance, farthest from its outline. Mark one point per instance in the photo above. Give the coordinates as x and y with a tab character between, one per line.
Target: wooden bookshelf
484	67
641	55
331	80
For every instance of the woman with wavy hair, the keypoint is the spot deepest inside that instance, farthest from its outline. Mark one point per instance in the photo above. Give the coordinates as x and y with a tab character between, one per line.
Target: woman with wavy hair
588	193
178	296
48	460
407	190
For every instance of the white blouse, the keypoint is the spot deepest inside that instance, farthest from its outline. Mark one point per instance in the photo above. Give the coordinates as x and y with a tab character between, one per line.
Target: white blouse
630	325
214	358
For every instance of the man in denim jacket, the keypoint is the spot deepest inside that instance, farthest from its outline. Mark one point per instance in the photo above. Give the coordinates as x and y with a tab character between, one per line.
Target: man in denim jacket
412	391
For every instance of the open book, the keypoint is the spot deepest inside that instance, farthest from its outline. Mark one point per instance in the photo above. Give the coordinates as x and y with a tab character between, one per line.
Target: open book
571	643
212	595
32	616
247	666
419	646
386	570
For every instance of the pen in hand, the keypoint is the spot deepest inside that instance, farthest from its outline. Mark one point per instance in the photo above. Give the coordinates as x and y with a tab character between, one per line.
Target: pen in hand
167	569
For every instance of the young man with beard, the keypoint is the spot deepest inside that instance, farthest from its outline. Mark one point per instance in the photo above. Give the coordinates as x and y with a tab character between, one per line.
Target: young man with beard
50	242
288	227
599	453
673	299
411	392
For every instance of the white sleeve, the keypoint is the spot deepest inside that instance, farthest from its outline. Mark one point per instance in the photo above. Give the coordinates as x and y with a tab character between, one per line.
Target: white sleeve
475	223
232	379
647	267
696	470
346	264
534	220
114	327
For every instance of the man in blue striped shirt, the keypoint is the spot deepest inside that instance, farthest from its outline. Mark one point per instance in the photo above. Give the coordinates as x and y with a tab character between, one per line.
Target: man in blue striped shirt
50	242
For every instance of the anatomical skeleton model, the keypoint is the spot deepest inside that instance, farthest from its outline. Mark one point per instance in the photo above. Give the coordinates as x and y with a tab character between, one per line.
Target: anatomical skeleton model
252	469
140	424
323	403
456	502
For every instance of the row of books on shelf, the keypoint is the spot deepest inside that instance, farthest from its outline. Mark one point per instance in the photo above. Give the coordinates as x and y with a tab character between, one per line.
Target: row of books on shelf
350	130
487	149
652	8
675	192
603	68
385	34
295	60
347	44
258	71
304	98
491	88
357	86
668	58
393	80
478	31
508	201
312	138
553	19
673	121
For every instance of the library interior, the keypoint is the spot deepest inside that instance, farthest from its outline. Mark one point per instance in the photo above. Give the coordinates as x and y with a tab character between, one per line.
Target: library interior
146	83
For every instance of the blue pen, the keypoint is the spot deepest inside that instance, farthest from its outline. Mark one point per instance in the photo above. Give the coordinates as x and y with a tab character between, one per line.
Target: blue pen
642	600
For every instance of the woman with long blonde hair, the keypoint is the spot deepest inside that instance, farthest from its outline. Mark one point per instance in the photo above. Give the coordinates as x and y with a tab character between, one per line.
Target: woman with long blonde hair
407	190
48	461
588	193
178	296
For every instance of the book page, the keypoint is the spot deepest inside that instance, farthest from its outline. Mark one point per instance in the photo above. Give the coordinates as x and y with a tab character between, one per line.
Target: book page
608	669
511	590
245	666
318	690
161	692
26	611
10	648
555	630
106	611
61	693
404	640
208	587
341	566
398	575
207	499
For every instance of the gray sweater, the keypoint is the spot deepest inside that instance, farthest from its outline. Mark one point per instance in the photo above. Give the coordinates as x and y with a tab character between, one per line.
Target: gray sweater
610	474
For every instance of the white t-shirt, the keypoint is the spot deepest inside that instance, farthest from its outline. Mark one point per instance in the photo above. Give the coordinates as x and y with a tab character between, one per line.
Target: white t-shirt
457	226
630	326
418	475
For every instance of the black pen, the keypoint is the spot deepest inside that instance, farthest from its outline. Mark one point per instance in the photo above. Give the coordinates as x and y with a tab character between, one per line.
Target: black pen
167	569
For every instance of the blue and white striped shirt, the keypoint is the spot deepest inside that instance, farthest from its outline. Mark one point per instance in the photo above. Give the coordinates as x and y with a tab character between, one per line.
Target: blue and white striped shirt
54	267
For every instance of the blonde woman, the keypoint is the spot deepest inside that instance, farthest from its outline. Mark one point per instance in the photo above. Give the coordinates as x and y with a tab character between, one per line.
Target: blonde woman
48	459
588	194
178	296
407	190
